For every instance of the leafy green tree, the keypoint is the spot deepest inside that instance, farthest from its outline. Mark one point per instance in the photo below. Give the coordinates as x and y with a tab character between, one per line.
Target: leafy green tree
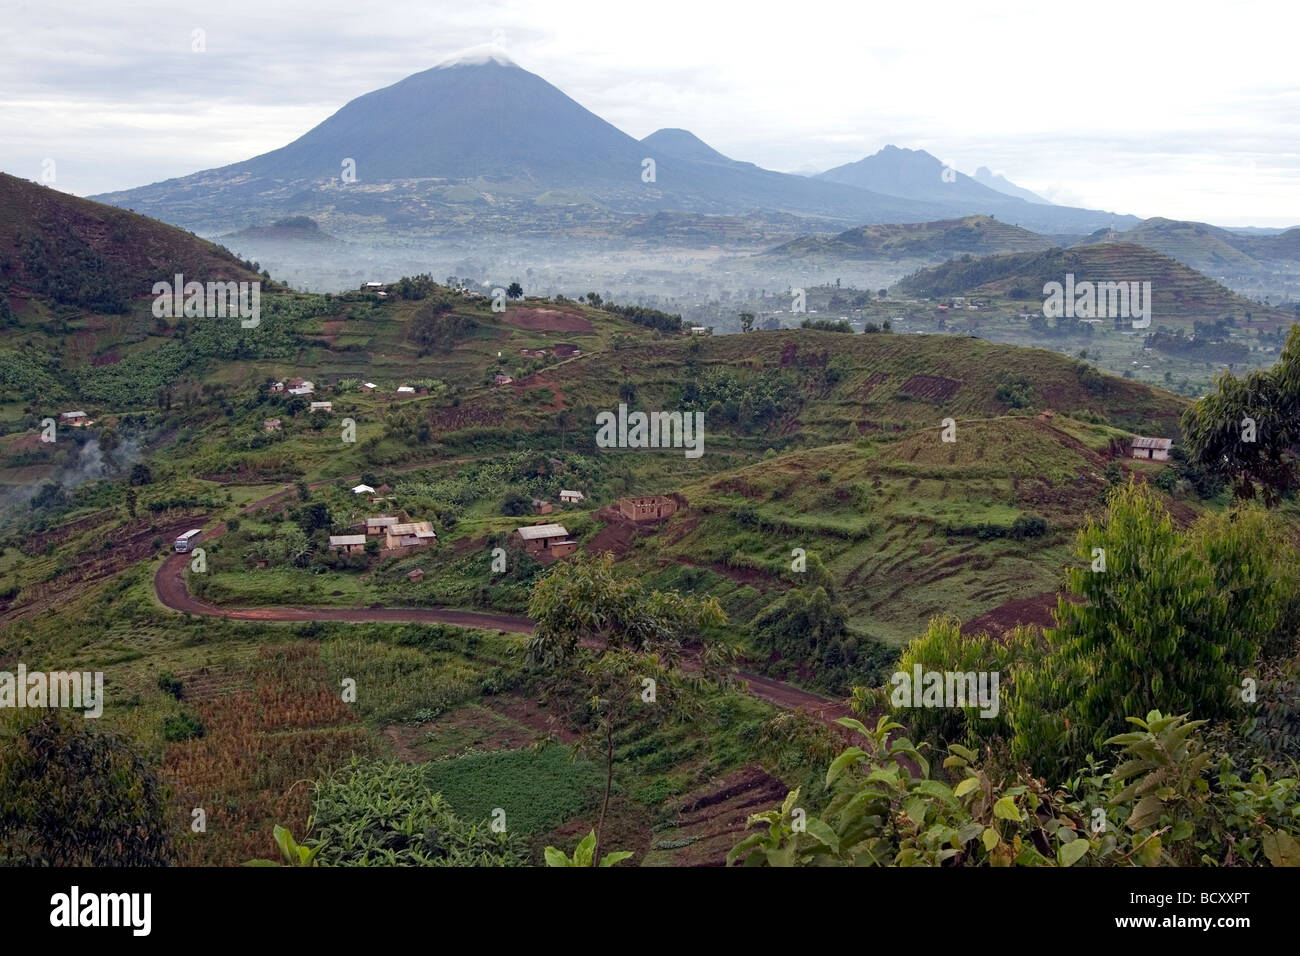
747	321
1171	623
582	601
514	291
1244	431
610	652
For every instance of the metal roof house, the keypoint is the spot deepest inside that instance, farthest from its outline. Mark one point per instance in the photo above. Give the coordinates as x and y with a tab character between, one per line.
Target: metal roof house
547	540
1155	449
351	543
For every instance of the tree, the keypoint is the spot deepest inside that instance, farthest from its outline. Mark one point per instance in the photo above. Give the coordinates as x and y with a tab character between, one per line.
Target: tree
514	291
74	796
1160	620
1244	430
747	321
582	601
610	650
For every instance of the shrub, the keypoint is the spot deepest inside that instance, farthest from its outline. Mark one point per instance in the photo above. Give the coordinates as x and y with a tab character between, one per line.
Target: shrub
74	796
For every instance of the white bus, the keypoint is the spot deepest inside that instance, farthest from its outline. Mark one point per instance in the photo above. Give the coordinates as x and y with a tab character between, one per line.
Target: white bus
188	540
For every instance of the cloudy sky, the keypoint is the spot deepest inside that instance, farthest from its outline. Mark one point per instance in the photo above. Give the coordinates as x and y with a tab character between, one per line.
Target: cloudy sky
1188	110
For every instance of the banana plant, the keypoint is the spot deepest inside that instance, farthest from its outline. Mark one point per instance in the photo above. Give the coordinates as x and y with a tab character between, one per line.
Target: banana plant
295	853
584	854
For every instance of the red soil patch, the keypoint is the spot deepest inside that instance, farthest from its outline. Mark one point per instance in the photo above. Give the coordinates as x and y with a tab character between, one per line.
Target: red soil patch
527	711
931	386
1037	610
463	546
537	381
712	819
547	320
866	388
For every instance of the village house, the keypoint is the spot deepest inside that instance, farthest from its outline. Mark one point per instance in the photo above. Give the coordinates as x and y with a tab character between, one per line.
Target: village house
533	353
277	386
380	525
647	507
501	379
271	425
322	406
1045	416
300	386
542	507
75	419
546	540
410	534
572	497
348	543
699	330
363	490
368	386
405	390
416	575
1155	449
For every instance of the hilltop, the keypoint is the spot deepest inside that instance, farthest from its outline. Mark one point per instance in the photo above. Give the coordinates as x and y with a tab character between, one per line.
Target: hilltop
295	229
1179	292
65	250
932	241
1255	265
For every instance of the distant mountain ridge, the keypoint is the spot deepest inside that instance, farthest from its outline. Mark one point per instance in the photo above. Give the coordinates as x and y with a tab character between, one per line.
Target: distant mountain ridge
916	175
478	142
1210	248
986	177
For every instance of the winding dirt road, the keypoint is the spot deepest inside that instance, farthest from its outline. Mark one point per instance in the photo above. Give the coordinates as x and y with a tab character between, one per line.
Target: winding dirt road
169	585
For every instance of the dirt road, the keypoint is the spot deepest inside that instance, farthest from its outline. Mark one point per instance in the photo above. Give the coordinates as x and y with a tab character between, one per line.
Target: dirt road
169	584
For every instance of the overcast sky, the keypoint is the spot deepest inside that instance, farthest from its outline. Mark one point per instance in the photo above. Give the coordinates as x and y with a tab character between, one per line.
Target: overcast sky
1188	110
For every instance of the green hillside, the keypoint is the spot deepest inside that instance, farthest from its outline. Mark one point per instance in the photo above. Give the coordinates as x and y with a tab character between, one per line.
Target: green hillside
805	387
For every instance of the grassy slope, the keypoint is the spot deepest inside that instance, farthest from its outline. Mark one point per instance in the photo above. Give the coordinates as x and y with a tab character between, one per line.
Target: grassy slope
870	397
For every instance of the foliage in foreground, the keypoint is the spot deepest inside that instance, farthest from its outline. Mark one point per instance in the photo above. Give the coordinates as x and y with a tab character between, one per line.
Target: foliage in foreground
383	813
584	854
1158	805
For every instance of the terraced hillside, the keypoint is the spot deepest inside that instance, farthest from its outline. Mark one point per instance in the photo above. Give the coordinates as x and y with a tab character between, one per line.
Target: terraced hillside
802	387
908	527
1180	294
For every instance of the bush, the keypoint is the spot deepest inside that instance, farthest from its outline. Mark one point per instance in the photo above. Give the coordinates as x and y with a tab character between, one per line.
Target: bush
74	796
169	684
182	726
